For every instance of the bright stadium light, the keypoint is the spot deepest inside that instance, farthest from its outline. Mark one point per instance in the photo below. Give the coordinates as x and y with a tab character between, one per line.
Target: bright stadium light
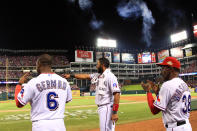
178	36
106	43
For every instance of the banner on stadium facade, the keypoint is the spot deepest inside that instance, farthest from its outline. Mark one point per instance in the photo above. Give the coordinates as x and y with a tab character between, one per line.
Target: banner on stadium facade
139	57
108	56
116	58
188	52
99	55
146	57
195	30
162	55
153	57
177	52
83	56
128	58
75	92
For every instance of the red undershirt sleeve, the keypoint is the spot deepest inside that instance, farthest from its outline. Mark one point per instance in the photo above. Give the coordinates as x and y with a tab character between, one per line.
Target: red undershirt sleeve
151	100
17	90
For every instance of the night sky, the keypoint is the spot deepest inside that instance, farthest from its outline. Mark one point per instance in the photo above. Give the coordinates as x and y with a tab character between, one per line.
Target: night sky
68	23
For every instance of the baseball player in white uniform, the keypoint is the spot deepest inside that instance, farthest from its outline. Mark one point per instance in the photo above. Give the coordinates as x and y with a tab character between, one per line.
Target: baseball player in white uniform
173	98
107	94
47	94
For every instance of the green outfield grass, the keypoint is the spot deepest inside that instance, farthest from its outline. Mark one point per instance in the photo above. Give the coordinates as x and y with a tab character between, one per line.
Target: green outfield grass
132	87
193	94
76	118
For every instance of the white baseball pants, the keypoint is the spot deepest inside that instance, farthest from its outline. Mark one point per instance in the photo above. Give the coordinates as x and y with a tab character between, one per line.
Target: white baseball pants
49	125
184	127
105	112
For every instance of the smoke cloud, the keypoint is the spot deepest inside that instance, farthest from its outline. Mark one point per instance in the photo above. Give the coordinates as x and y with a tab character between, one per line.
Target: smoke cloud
148	22
85	4
175	16
128	10
95	24
135	9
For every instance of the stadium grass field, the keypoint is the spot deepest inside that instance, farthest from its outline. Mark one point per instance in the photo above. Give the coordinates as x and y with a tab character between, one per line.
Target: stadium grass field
81	114
132	87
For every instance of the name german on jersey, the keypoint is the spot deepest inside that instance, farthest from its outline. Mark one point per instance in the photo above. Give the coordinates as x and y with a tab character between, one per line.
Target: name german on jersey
51	84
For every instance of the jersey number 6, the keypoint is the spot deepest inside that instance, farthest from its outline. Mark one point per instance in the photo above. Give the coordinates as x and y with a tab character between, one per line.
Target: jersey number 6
52	104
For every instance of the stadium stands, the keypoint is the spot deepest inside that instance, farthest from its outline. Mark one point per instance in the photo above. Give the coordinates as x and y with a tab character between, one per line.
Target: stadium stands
30	60
133	73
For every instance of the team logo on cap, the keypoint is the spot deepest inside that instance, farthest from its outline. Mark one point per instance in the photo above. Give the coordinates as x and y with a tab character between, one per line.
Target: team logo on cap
169	63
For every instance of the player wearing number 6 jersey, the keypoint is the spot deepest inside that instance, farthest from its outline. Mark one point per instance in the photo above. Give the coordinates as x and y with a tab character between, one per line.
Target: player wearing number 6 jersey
173	99
47	93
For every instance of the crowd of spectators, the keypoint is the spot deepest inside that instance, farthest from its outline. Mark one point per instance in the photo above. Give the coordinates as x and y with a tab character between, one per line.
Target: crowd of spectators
192	67
11	88
11	74
30	60
192	83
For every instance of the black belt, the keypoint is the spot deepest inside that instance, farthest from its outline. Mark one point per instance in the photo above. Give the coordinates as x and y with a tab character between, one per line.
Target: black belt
179	123
103	105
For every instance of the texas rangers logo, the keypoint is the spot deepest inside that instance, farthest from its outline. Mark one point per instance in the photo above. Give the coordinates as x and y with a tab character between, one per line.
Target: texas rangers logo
22	93
170	63
158	99
115	85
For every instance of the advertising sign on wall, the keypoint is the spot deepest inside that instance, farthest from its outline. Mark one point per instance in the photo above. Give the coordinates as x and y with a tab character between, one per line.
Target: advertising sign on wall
99	55
162	55
146	57
188	52
139	56
116	58
108	56
83	56
128	58
177	52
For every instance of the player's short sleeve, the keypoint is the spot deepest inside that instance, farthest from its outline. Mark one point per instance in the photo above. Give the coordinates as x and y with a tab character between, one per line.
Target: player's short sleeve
163	98
113	84
26	94
94	75
69	94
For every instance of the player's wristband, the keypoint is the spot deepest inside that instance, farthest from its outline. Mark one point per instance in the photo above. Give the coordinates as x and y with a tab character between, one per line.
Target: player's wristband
115	107
72	75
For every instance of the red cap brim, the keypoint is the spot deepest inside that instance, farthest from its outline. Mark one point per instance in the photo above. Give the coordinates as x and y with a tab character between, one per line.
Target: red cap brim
162	64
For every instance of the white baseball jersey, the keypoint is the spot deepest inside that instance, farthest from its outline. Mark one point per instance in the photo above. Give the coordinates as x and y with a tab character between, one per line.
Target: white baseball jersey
174	100
47	94
106	85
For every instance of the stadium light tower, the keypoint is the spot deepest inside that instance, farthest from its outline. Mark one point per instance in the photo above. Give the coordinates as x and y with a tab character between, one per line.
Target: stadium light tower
106	43
178	36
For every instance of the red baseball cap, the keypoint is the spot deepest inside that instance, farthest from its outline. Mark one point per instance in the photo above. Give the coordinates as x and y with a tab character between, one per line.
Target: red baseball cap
171	61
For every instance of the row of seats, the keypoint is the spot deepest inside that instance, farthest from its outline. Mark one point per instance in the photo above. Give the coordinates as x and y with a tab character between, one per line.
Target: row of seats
30	60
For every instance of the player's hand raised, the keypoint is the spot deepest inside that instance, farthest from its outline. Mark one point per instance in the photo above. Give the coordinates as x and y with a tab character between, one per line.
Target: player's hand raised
24	78
146	86
156	89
